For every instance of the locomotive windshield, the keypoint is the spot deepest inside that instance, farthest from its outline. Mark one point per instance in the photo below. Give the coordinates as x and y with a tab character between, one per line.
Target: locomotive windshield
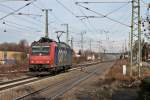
40	50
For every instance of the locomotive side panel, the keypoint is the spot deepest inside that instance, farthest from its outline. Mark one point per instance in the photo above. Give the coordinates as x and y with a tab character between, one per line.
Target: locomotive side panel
60	57
69	56
63	56
52	55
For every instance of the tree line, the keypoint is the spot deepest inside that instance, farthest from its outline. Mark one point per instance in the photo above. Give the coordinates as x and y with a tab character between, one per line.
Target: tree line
22	46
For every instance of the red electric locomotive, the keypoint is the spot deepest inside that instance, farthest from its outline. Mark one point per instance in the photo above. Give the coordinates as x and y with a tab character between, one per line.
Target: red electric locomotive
47	56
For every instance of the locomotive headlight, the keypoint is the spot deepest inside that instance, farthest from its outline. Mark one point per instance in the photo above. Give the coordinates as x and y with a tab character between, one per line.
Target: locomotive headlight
32	61
47	61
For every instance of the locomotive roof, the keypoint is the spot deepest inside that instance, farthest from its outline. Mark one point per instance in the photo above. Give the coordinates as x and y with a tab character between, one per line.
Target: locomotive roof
46	41
43	41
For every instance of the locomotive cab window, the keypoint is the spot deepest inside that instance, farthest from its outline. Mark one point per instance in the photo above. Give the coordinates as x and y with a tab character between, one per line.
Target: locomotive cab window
40	50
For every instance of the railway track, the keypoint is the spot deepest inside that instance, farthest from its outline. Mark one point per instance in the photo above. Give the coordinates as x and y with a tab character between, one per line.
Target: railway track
22	81
57	89
15	80
14	83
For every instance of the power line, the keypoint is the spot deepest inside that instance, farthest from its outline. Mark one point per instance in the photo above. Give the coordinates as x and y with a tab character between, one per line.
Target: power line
117	9
20	14
86	25
88	20
13	0
57	19
27	27
6	6
33	14
16	27
113	11
102	2
65	7
16	10
19	28
19	17
51	13
104	16
37	6
71	12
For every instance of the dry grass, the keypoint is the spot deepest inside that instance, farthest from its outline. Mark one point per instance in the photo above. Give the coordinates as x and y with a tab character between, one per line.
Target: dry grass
116	71
9	72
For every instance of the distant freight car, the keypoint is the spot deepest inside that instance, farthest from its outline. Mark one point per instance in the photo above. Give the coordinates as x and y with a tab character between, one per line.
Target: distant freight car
48	56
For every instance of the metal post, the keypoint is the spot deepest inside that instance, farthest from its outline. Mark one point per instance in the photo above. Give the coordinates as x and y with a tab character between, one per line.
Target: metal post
72	42
81	42
46	23
67	37
125	46
131	40
67	31
139	39
135	39
82	48
99	48
91	47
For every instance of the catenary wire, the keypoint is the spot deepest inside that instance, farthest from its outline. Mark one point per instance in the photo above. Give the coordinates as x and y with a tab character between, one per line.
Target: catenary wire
16	10
72	13
104	16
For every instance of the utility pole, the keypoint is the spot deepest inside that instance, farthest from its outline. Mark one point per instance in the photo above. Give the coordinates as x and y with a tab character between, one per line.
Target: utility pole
82	34
104	51
139	37
46	21
135	56
125	48
72	42
129	52
67	31
91	47
99	48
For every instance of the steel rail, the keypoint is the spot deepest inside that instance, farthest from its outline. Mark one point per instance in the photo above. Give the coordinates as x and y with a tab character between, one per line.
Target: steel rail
74	83
42	89
21	82
17	83
61	83
15	80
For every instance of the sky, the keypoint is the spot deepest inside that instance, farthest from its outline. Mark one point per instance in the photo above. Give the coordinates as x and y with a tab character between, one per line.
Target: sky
113	36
